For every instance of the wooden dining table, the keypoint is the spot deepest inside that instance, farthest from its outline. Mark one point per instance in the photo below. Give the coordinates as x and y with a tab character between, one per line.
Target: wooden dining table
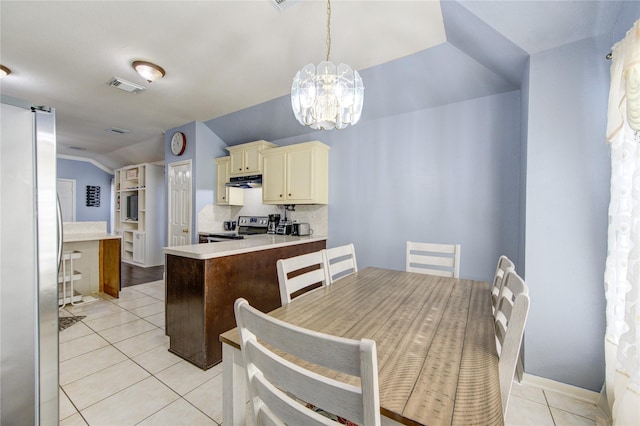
437	359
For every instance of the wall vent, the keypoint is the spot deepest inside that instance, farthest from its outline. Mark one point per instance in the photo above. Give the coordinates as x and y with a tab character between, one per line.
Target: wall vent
127	86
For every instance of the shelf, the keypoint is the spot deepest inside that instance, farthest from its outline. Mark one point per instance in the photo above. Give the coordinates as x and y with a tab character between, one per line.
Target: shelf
68	277
77	297
75	254
135	180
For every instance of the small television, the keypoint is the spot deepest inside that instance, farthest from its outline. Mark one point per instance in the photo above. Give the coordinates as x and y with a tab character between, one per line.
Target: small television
132	207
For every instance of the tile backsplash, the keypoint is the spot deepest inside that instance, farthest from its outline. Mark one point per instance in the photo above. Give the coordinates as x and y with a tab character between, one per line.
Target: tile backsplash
211	217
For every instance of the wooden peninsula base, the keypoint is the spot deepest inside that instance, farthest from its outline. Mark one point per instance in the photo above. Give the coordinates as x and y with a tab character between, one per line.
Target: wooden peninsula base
200	294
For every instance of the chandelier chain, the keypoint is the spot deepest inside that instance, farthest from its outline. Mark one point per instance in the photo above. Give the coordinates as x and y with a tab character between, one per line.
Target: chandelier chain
328	29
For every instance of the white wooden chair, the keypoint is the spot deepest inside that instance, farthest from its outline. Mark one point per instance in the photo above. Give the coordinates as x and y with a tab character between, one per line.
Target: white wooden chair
278	389
504	265
512	311
291	283
340	262
434	259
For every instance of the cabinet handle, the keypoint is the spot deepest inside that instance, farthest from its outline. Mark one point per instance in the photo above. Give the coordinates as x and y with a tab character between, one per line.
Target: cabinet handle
239	169
289	195
280	195
186	230
247	168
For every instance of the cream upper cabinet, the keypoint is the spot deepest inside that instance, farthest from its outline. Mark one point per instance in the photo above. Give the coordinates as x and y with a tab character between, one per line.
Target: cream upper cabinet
226	196
246	159
296	174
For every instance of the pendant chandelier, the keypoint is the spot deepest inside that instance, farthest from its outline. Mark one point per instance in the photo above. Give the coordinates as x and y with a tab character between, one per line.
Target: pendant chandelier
327	97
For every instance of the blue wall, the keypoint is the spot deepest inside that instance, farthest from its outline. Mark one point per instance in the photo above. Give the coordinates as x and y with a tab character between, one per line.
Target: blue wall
85	174
568	177
447	175
203	147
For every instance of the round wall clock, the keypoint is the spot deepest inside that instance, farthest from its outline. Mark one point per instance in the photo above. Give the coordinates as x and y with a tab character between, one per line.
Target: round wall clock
178	143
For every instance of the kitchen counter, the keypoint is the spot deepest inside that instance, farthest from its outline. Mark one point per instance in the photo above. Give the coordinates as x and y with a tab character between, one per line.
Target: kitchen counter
74	238
249	244
99	263
204	280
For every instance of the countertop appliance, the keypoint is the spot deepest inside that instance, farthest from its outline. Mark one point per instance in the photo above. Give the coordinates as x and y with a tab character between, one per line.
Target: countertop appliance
247	225
284	228
31	251
301	229
273	222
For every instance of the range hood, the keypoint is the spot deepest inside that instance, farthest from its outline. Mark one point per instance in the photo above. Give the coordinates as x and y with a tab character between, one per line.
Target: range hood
254	181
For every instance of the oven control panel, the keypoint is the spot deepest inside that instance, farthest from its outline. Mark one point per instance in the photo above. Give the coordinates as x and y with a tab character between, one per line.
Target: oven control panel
253	221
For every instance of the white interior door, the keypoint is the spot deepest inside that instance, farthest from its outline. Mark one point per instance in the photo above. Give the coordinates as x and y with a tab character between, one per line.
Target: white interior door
179	202
67	194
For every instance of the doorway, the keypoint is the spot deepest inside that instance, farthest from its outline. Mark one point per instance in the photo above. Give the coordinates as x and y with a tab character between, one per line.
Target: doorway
179	203
67	194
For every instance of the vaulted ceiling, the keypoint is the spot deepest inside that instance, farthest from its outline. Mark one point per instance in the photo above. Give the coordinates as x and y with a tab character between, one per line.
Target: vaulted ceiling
230	63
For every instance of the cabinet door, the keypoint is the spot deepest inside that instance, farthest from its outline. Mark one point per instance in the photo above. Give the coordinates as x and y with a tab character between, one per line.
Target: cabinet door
273	181
252	159
222	176
138	247
237	163
300	175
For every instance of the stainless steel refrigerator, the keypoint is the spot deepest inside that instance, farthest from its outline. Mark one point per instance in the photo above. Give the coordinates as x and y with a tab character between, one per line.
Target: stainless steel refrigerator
30	245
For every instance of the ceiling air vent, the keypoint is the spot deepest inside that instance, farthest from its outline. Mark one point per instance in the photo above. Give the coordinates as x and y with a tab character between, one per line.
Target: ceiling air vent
125	85
117	130
282	4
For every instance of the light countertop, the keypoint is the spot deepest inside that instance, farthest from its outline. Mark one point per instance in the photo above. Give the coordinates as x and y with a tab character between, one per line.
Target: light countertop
96	236
74	232
249	244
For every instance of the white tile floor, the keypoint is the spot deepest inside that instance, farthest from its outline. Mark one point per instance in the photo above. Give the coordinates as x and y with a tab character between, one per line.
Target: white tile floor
115	370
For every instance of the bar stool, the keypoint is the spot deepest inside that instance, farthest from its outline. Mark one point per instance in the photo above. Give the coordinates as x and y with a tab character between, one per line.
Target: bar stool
66	277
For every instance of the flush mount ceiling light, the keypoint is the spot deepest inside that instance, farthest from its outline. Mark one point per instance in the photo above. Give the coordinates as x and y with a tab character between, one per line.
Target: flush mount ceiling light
4	71
326	97
149	71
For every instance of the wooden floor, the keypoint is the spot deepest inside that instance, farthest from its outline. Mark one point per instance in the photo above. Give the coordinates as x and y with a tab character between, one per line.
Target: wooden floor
134	275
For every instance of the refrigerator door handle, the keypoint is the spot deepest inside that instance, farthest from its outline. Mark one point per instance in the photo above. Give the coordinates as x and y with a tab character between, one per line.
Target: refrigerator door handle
60	234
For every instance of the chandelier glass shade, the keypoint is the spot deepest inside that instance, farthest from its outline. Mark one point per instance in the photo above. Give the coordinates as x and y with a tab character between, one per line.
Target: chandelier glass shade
327	97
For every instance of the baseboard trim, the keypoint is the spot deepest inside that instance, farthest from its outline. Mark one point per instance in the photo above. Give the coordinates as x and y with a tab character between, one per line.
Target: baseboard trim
570	390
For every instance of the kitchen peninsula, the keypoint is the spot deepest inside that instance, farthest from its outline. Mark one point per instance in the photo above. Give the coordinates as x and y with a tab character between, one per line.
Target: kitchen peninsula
100	256
204	280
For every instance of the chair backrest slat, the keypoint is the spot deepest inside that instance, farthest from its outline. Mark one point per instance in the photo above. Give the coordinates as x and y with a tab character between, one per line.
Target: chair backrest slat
313	271
340	262
504	265
511	316
434	259
277	385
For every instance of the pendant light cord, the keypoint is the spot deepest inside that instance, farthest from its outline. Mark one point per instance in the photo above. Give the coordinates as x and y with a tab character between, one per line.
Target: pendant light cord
328	29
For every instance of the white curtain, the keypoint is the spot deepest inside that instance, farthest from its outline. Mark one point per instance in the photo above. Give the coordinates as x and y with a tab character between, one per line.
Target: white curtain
622	272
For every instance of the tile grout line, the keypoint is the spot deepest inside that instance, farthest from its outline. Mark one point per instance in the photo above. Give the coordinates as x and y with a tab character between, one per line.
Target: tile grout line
136	363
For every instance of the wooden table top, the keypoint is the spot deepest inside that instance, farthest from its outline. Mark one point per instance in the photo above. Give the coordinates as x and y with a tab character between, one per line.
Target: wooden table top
437	359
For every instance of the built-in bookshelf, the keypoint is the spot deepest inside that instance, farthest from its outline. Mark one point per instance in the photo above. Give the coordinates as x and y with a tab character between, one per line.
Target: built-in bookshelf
138	213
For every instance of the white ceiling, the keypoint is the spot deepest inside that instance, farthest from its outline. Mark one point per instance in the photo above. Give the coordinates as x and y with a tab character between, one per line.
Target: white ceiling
223	56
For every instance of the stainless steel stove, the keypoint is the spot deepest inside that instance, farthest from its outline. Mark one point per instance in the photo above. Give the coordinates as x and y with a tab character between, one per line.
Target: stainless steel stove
247	225
252	225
